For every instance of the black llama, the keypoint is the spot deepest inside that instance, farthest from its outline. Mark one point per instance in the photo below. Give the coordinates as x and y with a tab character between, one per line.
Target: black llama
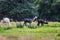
42	22
28	20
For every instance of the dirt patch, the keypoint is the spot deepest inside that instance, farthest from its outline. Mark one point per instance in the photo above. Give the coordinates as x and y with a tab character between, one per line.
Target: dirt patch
2	37
30	36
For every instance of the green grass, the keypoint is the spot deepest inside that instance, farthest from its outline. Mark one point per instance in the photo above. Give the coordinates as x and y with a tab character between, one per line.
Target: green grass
46	32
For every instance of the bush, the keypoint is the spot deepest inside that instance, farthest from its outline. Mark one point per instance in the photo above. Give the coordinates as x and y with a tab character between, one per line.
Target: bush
19	25
31	26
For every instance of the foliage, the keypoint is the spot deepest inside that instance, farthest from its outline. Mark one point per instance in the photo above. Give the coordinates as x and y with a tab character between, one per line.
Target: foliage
17	9
20	9
31	26
19	25
48	9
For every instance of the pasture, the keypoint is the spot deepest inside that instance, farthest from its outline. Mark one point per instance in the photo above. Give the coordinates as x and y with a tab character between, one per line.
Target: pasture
46	32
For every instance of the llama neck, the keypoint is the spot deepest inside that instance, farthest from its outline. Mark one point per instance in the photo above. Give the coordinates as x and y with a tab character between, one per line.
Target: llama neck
34	18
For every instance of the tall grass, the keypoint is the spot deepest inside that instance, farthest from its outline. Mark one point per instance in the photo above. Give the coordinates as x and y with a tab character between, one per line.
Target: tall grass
51	27
51	30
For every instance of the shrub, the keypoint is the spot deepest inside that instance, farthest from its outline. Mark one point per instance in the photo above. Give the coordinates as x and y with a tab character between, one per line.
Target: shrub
19	25
31	26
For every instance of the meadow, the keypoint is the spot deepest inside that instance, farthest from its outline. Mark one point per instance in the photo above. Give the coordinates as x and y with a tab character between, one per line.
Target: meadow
50	31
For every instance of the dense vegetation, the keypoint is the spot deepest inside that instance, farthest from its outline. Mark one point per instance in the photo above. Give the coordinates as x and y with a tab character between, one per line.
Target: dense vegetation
20	9
50	31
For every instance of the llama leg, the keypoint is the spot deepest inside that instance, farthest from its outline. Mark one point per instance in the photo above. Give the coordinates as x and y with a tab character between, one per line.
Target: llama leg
38	24
24	23
30	24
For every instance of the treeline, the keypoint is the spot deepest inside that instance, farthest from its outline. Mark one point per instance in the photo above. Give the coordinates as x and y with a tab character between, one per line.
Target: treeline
20	9
49	9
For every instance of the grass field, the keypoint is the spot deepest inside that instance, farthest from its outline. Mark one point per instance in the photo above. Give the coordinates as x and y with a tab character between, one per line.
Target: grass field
46	32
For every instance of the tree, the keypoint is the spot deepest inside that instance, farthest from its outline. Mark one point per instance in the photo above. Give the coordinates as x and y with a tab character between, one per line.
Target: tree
48	9
14	8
